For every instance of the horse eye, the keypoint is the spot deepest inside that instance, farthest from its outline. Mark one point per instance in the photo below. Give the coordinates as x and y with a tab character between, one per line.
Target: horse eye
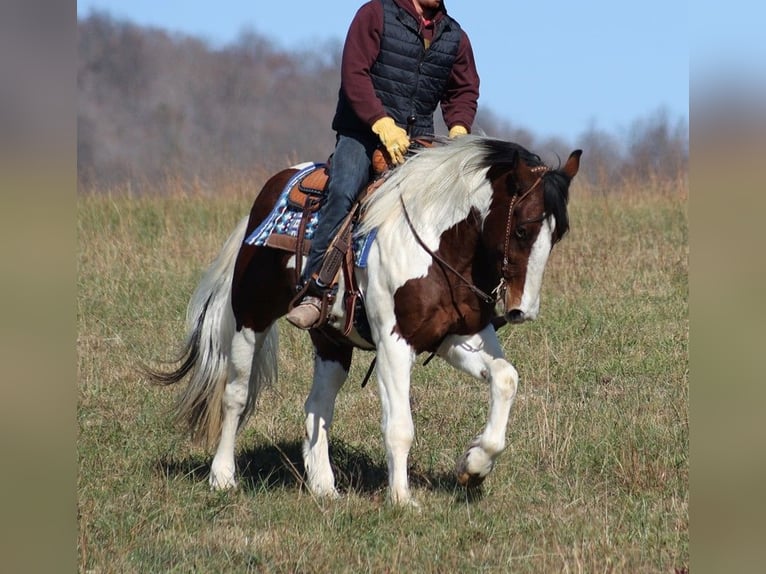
521	233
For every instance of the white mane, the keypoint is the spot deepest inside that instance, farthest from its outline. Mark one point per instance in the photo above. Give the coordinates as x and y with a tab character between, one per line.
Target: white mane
439	186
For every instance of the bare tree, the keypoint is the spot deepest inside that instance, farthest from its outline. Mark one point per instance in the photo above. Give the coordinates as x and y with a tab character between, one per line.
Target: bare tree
153	104
656	148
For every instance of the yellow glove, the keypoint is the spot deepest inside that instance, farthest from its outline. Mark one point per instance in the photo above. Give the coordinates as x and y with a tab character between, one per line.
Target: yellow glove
457	130
393	137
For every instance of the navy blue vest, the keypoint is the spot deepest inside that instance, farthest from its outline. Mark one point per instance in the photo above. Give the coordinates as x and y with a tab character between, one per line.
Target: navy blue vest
407	78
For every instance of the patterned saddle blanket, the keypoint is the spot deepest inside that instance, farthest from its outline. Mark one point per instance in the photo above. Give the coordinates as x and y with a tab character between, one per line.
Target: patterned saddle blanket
282	226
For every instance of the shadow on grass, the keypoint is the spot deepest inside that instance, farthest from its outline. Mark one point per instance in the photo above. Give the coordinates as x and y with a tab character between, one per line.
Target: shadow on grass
280	465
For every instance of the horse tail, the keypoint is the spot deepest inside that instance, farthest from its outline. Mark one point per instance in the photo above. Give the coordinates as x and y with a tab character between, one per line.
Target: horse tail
206	352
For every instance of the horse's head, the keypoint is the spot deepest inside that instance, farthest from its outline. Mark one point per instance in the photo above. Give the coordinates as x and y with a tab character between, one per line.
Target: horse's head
527	217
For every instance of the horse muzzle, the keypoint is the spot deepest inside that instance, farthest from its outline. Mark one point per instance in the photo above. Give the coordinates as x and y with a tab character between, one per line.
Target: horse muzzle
516	316
515	308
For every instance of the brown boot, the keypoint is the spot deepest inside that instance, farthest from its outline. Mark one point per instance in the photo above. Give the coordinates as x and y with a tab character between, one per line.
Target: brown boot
306	314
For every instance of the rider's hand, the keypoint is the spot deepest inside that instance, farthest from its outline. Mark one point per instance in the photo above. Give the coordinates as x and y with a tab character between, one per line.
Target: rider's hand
393	137
457	130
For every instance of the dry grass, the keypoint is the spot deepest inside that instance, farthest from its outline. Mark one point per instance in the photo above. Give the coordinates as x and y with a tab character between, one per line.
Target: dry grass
595	476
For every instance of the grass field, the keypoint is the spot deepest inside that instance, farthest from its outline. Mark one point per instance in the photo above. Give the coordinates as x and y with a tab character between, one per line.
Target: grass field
595	476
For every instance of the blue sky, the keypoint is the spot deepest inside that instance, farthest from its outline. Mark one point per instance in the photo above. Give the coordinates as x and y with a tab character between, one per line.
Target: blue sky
555	68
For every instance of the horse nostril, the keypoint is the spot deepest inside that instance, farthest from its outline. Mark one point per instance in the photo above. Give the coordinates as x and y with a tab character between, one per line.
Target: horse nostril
515	316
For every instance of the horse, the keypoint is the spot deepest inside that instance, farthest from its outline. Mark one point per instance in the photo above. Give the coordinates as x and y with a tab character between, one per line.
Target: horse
462	235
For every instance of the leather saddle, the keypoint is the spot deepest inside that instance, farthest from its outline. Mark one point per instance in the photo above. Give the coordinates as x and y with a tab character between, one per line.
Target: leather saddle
306	195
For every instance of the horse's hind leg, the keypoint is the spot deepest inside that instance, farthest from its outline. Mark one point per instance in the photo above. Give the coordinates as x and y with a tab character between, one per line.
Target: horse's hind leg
331	365
245	347
481	356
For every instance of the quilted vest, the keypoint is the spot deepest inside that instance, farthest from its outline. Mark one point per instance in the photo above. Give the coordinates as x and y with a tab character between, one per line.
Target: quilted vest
409	79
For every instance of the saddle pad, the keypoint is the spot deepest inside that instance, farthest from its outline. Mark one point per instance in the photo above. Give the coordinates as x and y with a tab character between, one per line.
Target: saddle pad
285	220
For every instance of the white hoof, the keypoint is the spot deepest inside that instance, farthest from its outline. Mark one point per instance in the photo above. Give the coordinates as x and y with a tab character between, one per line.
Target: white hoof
222	479
327	493
403	500
473	467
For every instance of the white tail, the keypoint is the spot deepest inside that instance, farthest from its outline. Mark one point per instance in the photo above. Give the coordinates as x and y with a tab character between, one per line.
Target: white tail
206	352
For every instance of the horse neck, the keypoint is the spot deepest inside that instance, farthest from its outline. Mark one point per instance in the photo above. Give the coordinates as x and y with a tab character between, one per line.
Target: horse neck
460	243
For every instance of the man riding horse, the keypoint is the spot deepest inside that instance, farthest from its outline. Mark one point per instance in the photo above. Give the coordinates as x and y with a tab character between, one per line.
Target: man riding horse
401	59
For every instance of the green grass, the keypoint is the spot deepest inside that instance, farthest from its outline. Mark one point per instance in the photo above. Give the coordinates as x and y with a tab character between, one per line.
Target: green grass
594	478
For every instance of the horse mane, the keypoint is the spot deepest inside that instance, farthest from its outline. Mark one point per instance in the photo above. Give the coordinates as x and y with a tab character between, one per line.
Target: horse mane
555	198
555	183
442	183
439	184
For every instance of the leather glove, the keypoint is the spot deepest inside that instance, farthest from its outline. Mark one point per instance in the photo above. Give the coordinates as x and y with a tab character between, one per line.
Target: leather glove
457	130
393	137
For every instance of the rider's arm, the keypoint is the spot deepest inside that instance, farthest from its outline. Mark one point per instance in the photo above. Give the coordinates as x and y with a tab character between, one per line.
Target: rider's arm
359	54
461	96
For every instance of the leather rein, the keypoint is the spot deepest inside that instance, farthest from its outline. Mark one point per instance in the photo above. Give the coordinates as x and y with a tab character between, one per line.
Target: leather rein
515	200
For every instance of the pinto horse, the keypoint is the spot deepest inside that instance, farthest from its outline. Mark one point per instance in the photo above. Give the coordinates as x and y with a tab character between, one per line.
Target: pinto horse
463	232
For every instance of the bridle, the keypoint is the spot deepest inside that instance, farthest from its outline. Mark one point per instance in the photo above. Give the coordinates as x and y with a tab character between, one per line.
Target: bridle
515	201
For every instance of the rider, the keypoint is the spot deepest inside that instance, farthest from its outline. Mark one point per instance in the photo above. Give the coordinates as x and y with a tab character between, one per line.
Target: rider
401	59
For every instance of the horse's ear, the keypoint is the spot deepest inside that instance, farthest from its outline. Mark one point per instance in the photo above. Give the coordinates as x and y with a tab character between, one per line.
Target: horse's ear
573	164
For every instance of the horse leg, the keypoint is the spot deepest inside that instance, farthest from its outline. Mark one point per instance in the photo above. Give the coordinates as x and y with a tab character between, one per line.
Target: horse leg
481	356
331	366
246	347
394	362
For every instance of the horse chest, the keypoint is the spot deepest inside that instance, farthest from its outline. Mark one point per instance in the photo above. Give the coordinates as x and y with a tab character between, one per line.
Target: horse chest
425	314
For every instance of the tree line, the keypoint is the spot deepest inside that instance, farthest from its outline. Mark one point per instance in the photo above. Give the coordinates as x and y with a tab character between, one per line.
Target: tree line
153	105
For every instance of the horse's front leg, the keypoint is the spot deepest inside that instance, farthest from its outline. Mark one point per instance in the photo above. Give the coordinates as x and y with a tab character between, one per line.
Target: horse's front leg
394	362
331	365
481	356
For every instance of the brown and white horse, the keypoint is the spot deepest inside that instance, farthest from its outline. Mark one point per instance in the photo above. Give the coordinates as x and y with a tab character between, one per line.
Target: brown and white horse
456	222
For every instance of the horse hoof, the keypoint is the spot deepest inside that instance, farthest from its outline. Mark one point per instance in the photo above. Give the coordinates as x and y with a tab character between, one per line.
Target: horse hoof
409	503
222	482
403	501
326	493
468	480
471	478
223	486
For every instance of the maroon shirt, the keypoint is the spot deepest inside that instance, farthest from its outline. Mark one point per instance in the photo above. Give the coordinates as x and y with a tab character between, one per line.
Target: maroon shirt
459	101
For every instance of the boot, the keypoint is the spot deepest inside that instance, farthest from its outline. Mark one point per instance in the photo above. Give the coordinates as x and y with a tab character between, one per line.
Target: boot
306	314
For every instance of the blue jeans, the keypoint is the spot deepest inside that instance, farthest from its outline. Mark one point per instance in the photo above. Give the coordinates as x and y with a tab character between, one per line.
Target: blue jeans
349	173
